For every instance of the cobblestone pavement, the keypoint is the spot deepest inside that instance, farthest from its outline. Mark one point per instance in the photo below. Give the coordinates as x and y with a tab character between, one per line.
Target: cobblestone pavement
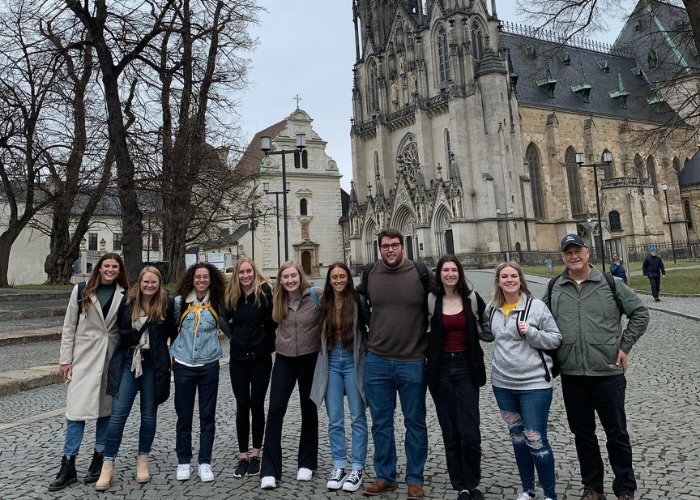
662	407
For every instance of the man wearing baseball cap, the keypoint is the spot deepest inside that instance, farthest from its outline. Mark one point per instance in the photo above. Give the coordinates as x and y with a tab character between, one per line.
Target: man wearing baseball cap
593	359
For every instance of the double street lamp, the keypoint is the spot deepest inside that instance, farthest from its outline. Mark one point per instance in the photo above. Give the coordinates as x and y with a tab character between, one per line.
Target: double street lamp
664	188
266	188
299	162
506	214
607	160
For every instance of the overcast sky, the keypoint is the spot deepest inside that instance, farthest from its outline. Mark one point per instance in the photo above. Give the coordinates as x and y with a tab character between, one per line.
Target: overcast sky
307	48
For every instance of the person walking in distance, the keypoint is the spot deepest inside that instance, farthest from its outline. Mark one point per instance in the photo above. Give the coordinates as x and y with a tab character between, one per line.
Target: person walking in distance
617	269
88	340
339	372
653	269
248	310
593	357
397	342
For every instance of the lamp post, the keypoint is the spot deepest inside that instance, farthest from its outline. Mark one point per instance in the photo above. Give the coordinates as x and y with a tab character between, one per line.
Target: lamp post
505	214
523	180
266	188
664	188
607	160
299	162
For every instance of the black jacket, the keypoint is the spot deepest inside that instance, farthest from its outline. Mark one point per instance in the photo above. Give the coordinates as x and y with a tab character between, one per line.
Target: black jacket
473	354
158	333
251	326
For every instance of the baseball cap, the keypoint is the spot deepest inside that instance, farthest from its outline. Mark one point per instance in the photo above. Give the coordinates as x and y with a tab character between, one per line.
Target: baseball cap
572	239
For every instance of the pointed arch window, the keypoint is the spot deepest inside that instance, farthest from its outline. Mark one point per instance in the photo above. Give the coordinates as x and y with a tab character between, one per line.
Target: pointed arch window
443	55
448	147
477	41
688	213
572	172
676	166
535	171
374	87
607	167
639	167
615	222
651	172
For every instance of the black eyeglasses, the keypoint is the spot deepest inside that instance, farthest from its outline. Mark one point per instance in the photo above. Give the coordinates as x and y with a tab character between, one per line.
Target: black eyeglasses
393	246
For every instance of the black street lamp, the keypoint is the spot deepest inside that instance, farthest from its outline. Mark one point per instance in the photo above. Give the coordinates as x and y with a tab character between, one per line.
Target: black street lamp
506	214
607	160
266	188
300	161
664	188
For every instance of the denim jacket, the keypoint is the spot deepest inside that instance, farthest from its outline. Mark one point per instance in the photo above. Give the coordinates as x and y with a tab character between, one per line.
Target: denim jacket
197	342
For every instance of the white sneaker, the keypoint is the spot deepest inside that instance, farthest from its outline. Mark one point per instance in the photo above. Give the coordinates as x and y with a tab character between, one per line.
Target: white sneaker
304	474
525	495
205	473
268	483
353	481
336	479
183	472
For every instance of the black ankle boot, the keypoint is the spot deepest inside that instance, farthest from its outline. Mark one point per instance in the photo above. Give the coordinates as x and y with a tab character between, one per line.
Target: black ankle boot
93	473
66	474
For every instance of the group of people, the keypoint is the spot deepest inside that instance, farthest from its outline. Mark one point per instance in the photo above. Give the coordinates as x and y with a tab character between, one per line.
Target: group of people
404	330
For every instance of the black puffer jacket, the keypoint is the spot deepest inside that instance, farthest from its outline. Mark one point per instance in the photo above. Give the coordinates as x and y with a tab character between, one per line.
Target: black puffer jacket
251	325
158	333
473	353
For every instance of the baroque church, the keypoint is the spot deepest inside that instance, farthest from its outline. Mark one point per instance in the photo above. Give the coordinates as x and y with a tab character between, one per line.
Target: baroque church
472	135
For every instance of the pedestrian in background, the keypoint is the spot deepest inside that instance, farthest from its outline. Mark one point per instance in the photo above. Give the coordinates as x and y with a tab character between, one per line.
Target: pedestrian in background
296	311
339	371
617	269
521	328
394	291
653	268
196	353
88	340
248	311
455	371
140	364
593	357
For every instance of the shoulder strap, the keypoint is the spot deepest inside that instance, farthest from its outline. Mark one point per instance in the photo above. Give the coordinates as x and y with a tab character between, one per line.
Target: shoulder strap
314	296
492	313
550	286
474	305
365	278
422	271
81	289
613	289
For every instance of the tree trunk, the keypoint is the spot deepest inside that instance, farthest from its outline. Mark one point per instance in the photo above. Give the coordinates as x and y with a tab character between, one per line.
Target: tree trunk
6	240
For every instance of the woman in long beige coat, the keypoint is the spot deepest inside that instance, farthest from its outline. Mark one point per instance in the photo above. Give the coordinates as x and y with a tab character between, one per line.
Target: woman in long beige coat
88	340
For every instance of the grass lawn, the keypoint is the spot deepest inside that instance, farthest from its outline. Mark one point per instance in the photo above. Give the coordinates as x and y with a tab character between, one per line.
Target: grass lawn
682	281
43	287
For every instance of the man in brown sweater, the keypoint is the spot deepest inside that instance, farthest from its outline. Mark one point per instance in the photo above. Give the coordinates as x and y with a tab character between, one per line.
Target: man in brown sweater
396	344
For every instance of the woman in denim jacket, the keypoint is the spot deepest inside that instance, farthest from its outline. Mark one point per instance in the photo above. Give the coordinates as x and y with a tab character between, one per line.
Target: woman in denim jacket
196	353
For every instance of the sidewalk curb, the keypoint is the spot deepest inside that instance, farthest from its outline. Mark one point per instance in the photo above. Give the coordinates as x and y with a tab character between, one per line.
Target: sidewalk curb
28	336
15	381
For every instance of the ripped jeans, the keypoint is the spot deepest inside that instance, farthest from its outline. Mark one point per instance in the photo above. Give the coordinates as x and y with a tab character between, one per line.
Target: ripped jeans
526	413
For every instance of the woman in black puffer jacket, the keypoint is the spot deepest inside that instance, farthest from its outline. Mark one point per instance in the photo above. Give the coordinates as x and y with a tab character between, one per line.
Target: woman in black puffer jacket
248	310
139	365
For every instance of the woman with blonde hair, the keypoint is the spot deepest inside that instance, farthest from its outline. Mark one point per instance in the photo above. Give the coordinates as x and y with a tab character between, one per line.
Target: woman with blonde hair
141	364
296	311
248	310
522	328
88	340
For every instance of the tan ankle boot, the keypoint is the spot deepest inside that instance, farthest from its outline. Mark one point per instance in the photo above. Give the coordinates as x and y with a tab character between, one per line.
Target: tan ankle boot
105	480
142	475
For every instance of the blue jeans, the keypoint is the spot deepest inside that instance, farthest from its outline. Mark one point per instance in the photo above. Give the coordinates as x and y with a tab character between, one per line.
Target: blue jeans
124	400
526	413
383	379
74	435
343	380
188	381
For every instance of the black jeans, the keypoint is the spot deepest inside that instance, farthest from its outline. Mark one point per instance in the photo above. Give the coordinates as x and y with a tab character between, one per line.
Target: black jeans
655	286
583	398
188	381
286	372
250	379
457	404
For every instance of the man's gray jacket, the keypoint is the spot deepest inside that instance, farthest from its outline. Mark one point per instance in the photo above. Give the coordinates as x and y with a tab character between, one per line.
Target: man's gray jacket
590	324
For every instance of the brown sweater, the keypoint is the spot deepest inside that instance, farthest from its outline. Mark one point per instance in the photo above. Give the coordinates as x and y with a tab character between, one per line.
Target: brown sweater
298	333
397	327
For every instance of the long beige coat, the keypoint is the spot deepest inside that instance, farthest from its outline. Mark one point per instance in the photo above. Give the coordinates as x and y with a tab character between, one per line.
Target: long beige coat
89	348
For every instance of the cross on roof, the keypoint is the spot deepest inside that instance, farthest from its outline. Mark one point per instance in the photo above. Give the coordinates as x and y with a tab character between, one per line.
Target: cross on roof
297	99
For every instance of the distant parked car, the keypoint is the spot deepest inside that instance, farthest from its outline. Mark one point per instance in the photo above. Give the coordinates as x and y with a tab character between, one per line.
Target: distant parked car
228	271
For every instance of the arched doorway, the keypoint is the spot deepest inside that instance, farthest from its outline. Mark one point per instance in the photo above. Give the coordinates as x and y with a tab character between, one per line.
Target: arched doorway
306	262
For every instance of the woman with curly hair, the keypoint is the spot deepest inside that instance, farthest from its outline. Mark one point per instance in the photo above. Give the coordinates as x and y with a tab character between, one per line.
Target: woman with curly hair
248	310
141	364
196	353
339	373
296	311
88	340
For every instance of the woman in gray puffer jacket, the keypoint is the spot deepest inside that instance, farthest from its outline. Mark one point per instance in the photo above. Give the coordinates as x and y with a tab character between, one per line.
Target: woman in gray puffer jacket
521	328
